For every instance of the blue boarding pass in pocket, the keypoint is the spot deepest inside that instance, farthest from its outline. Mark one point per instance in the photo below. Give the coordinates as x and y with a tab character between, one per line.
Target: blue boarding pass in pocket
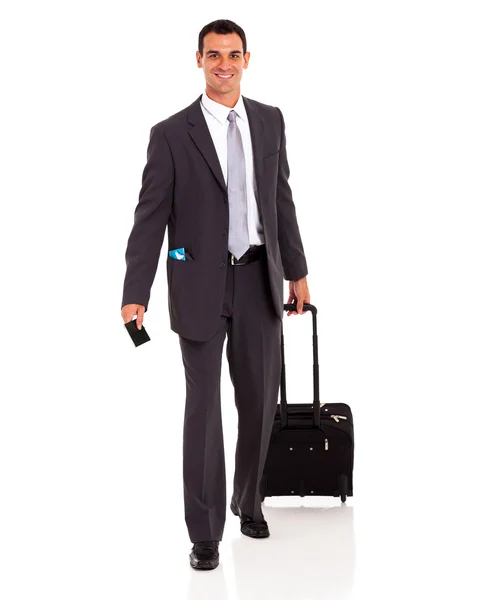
180	254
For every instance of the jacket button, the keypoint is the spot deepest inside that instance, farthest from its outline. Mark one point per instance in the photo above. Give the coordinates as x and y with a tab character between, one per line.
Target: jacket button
224	232
222	265
225	199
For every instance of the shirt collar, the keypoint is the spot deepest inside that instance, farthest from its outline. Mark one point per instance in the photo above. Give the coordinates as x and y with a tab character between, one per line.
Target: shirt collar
221	112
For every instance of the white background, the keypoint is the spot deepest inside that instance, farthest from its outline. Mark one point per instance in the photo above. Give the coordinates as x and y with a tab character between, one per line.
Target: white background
382	104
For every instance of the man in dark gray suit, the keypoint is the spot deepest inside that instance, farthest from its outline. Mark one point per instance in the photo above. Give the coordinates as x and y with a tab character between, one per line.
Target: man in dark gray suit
217	176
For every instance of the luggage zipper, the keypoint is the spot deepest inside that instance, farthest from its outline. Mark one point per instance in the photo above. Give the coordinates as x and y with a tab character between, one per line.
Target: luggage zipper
337	417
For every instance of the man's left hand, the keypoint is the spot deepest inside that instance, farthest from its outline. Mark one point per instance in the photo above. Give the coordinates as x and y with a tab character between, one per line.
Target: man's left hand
299	293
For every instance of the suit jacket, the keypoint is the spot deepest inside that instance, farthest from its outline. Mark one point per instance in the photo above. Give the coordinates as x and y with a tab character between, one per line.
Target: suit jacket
183	188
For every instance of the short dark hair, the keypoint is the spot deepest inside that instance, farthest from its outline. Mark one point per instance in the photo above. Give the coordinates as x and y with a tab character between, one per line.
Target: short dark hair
222	26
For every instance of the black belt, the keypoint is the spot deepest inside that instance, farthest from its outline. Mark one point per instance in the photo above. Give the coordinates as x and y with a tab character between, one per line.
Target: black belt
252	254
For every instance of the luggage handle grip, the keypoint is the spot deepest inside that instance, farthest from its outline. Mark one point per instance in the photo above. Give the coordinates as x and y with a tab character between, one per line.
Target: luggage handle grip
283	390
293	307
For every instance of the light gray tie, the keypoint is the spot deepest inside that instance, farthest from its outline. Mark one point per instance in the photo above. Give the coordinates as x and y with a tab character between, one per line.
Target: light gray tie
238	240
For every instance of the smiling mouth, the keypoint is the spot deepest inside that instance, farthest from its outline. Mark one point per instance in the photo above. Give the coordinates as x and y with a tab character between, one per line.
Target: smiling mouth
229	76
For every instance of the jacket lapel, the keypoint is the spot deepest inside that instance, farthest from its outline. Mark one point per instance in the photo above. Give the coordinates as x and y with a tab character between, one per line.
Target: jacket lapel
201	136
256	124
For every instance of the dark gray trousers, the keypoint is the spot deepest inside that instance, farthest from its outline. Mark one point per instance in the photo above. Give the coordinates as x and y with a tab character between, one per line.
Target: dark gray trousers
254	358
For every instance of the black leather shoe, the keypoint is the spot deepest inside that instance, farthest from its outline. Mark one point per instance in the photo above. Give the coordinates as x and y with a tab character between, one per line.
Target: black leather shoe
204	555
249	527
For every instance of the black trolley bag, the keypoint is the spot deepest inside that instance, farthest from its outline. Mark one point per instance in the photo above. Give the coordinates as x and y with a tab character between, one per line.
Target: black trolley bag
311	448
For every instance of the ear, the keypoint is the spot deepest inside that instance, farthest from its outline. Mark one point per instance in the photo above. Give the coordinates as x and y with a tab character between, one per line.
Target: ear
246	59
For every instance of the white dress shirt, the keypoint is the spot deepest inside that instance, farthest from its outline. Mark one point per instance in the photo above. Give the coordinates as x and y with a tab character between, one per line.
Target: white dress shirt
216	116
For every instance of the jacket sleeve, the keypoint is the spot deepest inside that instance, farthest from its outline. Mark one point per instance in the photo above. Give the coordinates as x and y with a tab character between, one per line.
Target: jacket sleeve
150	219
290	243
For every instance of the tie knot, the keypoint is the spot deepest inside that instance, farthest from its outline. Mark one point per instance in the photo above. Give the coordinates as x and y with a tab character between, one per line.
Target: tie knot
232	116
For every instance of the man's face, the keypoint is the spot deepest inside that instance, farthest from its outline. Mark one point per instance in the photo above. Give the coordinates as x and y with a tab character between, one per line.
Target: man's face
222	54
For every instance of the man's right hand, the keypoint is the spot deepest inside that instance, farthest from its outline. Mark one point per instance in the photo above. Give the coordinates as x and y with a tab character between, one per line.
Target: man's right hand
128	311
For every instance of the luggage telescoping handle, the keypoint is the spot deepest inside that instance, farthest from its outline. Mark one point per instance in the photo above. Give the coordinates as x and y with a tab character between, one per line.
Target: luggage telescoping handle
283	389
